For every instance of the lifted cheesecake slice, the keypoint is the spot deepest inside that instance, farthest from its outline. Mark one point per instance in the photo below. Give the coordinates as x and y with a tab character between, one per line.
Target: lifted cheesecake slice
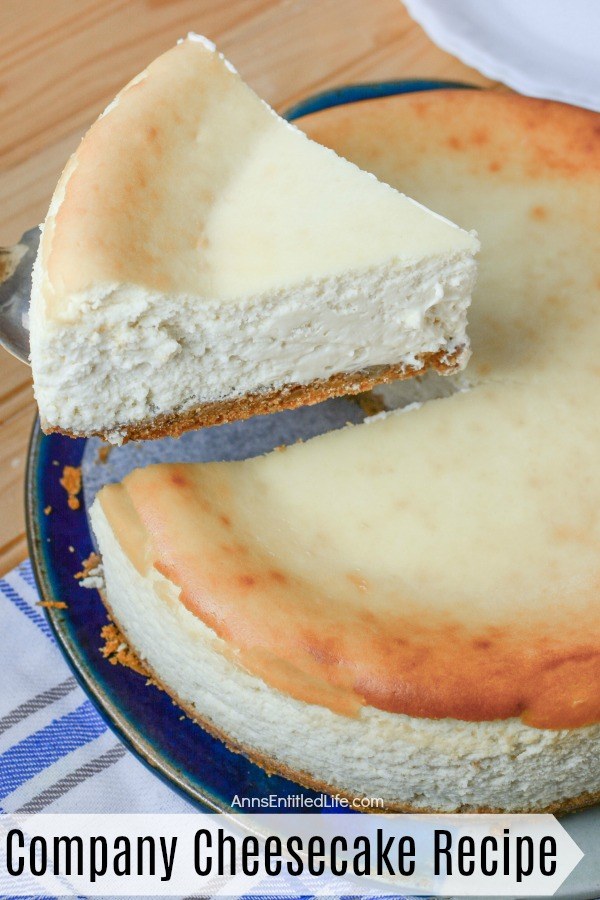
203	260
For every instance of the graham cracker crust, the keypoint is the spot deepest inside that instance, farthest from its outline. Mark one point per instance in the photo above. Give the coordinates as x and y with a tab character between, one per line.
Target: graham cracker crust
290	396
304	779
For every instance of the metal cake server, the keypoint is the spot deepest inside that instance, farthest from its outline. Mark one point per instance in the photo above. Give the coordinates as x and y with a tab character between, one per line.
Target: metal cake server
16	264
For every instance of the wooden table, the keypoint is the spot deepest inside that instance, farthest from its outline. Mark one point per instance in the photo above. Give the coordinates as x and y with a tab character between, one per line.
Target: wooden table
64	60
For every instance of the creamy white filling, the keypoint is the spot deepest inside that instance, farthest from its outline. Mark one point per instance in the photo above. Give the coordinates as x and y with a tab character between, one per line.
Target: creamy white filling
442	764
123	354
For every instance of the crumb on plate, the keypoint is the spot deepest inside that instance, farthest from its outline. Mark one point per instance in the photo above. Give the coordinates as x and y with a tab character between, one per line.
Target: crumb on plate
88	565
116	651
71	482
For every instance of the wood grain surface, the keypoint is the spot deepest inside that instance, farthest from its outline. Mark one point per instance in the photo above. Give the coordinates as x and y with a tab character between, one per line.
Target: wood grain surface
63	61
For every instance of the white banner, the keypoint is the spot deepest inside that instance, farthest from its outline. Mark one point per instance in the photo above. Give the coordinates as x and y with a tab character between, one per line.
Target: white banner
284	855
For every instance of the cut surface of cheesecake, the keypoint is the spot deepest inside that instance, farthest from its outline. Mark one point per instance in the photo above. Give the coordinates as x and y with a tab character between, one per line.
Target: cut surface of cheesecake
202	260
409	608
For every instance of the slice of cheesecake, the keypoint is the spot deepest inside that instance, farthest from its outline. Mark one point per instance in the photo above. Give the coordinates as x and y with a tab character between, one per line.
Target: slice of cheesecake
202	261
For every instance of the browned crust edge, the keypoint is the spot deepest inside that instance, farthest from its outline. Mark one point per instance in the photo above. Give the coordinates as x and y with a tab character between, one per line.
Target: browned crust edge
290	396
273	767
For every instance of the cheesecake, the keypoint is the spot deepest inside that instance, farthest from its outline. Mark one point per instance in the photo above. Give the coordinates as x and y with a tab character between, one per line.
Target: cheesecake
202	260
409	608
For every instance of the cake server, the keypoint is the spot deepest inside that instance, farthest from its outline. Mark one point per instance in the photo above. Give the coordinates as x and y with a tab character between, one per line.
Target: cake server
16	264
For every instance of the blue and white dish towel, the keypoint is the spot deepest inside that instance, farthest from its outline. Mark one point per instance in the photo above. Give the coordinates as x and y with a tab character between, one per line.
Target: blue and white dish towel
56	752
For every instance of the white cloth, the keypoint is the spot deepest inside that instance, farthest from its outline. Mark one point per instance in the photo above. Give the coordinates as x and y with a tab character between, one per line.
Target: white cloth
56	752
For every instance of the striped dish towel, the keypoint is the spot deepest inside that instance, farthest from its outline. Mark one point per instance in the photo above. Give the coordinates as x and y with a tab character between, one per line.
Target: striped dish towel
56	753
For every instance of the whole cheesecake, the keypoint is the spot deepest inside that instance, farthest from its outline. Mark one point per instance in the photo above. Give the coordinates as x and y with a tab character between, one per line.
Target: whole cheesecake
203	261
410	608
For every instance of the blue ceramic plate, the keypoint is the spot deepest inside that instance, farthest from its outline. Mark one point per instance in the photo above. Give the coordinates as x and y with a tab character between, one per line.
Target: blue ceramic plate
193	762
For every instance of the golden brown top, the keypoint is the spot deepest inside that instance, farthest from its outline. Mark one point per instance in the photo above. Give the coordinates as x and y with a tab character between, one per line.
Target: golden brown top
187	171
